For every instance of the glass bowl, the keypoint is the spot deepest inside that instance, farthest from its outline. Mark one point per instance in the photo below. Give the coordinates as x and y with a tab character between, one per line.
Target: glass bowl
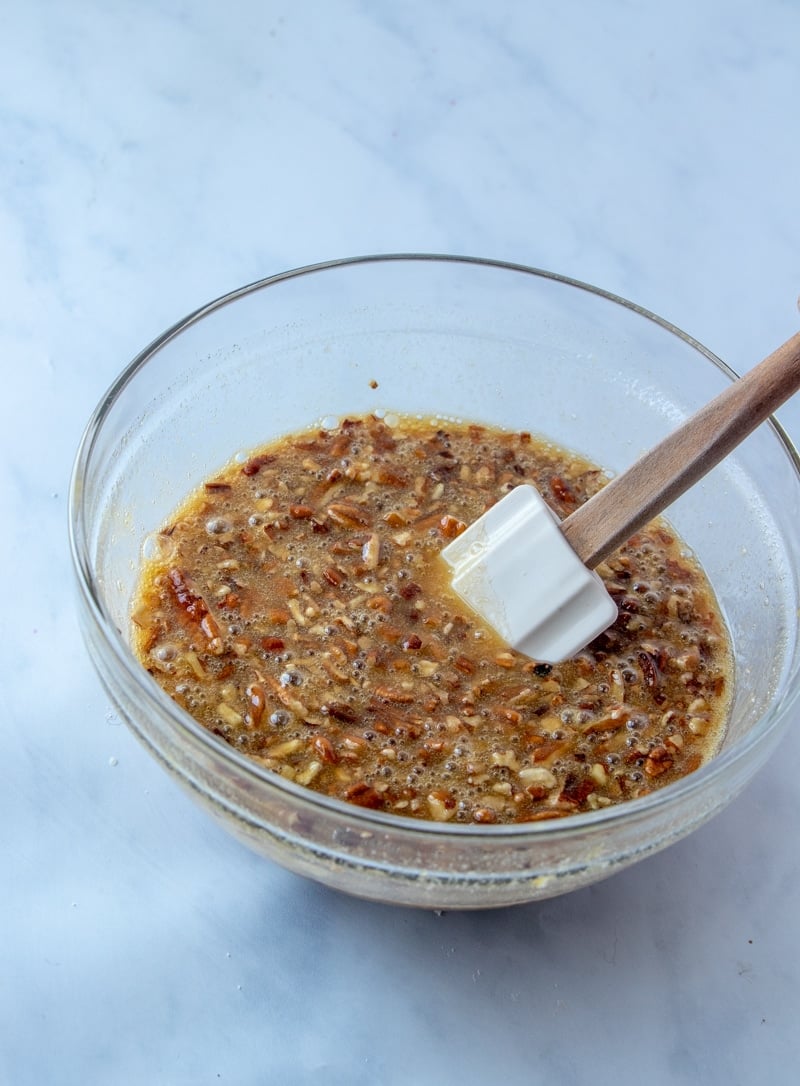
453	337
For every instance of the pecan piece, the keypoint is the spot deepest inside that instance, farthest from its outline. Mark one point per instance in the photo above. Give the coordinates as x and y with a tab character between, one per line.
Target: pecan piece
399	697
193	604
651	675
657	762
371	552
258	701
300	512
339	710
388	477
256	463
347	515
364	795
561	491
464	664
576	789
324	748
441	804
450	527
334	576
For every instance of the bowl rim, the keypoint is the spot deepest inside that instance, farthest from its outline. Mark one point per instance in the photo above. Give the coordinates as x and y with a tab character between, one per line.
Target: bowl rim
187	727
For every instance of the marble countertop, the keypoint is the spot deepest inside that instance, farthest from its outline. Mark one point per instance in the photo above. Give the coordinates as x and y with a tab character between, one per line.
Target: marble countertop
156	155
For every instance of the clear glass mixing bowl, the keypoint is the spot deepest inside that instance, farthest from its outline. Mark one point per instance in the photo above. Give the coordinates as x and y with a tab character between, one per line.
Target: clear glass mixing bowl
452	337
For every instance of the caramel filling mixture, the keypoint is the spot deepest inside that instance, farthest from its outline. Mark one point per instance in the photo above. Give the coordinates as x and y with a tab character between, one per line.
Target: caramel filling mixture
296	606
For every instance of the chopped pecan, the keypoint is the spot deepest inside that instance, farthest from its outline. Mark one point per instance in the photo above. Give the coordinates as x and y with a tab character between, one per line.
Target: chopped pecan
450	527
651	676
561	491
339	710
411	591
364	795
576	789
658	761
324	748
347	515
256	463
258	701
399	697
193	604
390	477
334	576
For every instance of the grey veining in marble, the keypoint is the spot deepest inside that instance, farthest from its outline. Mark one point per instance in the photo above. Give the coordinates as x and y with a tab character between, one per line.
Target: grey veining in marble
155	155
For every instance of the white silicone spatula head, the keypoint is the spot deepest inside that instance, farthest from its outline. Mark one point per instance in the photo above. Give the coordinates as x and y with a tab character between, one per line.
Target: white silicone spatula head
530	577
515	568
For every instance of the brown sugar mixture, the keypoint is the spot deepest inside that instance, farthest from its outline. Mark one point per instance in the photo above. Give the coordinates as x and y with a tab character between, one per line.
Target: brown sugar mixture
295	605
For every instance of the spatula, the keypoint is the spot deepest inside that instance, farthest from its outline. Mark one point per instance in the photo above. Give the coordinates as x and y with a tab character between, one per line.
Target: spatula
531	577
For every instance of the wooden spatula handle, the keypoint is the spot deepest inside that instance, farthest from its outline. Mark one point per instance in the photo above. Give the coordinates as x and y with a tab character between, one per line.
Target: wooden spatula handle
661	475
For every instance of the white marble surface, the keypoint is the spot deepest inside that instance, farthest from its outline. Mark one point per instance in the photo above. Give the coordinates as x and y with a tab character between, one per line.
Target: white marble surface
154	155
